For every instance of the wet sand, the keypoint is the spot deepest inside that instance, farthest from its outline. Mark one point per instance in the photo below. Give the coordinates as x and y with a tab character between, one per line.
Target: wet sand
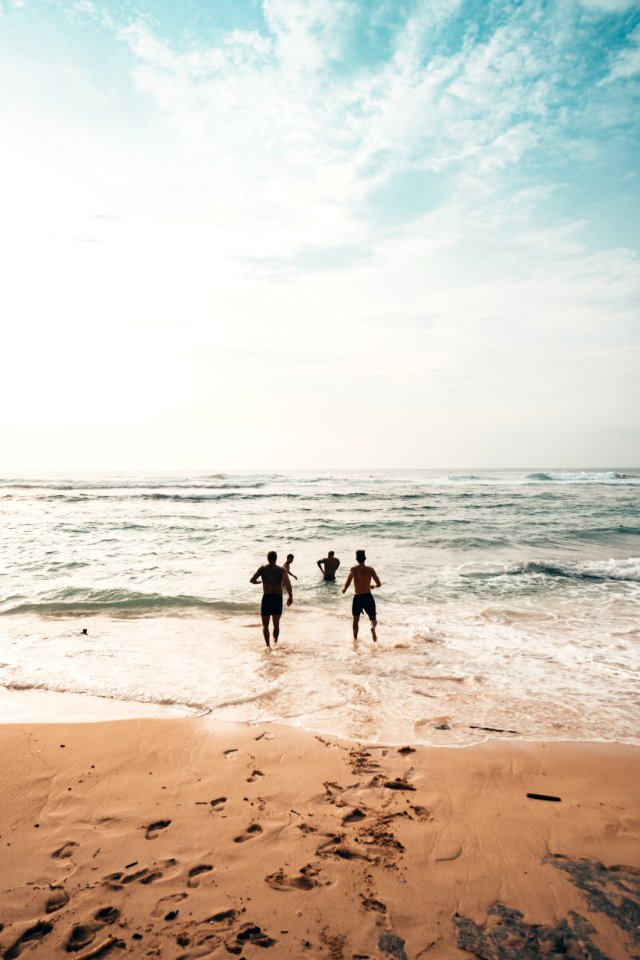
189	838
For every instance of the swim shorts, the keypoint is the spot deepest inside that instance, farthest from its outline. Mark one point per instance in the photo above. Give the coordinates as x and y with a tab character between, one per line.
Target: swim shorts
364	602
271	605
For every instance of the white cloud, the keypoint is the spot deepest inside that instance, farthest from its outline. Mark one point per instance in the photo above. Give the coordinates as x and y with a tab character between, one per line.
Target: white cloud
627	62
246	223
610	6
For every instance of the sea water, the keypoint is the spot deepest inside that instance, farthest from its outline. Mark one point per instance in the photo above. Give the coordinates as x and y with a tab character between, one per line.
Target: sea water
510	600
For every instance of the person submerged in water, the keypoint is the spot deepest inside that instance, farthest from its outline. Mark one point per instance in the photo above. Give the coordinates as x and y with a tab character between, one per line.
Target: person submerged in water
274	578
363	601
287	565
328	565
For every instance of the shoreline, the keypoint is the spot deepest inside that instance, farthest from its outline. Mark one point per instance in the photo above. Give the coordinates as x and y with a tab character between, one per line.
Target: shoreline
188	837
35	706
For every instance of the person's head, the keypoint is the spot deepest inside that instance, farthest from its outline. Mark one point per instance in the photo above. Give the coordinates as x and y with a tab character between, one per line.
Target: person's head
272	556
289	557
330	554
360	556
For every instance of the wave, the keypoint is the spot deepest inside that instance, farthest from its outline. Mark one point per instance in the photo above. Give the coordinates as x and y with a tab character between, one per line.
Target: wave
605	533
224	482
594	570
83	601
116	695
463	476
583	476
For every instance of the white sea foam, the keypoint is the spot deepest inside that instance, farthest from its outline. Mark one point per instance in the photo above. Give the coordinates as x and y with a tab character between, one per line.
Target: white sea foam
507	602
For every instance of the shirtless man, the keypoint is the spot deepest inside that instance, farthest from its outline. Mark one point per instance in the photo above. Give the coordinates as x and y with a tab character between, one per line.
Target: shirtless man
273	579
363	598
287	565
329	565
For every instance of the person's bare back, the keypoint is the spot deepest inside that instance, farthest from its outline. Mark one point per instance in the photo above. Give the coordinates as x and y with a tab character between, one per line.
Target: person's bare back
362	577
329	565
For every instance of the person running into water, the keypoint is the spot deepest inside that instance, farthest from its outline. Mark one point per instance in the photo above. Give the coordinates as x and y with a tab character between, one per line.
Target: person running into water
329	565
363	598
287	565
273	579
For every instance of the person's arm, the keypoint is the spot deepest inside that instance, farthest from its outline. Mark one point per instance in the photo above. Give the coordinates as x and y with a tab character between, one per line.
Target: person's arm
348	581
256	577
337	563
292	574
320	562
287	585
375	577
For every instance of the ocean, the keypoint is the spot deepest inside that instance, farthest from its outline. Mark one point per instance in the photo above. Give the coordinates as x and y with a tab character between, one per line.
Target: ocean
509	606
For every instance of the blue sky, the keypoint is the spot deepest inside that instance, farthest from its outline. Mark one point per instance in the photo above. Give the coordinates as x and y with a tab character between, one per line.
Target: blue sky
278	233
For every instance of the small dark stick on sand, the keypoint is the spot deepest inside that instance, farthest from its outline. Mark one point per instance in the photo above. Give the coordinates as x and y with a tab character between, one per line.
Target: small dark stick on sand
544	796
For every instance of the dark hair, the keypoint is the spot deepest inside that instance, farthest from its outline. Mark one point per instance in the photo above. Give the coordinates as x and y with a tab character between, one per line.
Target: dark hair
290	556
330	554
272	556
360	556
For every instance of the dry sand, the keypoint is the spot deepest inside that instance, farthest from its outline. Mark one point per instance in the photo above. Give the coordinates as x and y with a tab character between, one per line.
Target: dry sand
187	838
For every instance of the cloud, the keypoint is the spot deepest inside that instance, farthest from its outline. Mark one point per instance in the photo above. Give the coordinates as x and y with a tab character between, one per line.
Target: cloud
610	6
426	198
626	63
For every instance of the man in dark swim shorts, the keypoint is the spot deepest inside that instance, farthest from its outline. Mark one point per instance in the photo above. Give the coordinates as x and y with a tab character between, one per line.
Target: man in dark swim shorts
328	565
273	579
363	601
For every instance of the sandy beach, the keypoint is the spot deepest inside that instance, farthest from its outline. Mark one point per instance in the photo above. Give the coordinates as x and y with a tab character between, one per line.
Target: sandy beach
192	838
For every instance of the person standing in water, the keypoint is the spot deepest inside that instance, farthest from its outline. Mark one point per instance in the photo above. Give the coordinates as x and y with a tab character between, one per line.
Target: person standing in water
363	598
273	579
329	565
287	565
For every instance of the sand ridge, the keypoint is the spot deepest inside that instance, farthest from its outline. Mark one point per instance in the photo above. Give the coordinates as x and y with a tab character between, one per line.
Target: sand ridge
189	838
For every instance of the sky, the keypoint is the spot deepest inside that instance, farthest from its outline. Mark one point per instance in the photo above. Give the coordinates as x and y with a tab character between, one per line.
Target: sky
281	234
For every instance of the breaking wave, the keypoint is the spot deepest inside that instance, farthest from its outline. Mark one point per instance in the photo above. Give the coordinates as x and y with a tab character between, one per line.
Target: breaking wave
598	570
75	601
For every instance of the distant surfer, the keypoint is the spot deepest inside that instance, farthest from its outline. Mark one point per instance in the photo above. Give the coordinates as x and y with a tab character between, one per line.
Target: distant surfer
328	565
363	601
287	565
274	578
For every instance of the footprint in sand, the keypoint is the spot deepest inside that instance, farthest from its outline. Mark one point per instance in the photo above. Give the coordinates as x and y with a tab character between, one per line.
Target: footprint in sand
153	830
255	775
252	831
335	847
81	936
65	851
37	932
370	903
164	902
249	933
107	915
398	784
145	875
422	814
58	898
355	816
195	872
223	916
305	879
218	802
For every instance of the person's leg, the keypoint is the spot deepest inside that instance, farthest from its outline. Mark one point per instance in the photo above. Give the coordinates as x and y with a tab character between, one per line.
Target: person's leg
265	628
370	607
356	622
276	628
